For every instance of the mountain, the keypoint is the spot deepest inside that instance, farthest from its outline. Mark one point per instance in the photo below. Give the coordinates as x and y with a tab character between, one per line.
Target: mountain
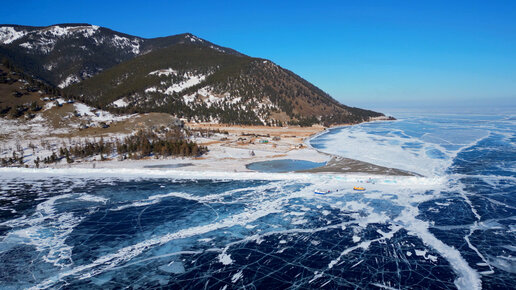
63	54
182	75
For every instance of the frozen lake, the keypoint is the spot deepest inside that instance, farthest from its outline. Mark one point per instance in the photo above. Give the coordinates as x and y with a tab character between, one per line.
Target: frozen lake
452	228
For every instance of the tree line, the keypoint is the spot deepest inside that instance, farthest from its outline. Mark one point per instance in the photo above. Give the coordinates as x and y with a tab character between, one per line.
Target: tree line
144	143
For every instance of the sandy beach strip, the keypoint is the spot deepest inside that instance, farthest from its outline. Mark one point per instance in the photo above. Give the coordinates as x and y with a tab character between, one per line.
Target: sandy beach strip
346	165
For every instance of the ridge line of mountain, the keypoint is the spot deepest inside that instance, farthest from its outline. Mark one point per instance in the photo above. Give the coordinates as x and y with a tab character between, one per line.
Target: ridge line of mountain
180	74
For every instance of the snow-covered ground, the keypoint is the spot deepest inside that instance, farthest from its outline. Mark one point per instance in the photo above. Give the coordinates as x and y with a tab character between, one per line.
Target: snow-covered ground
98	115
191	80
71	79
121	103
164	72
10	34
37	137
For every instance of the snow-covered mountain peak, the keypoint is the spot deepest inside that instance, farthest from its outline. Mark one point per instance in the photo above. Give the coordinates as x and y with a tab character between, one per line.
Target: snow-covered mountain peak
193	38
9	34
66	31
63	54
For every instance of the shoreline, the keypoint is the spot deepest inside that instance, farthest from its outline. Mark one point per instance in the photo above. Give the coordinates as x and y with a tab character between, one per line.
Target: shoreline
237	146
339	164
227	153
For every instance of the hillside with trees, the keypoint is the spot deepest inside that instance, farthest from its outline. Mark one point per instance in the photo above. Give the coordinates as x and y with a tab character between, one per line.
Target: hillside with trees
182	75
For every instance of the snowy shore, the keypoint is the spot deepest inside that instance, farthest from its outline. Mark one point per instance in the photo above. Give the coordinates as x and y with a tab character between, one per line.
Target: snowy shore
231	149
233	156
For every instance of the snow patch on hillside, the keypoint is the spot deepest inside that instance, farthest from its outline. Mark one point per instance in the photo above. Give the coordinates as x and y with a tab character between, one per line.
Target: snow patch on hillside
9	34
194	38
97	115
216	48
191	80
207	96
71	79
164	72
121	103
125	42
44	45
189	98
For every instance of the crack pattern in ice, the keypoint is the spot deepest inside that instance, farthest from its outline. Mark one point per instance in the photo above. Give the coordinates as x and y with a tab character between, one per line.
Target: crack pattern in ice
105	228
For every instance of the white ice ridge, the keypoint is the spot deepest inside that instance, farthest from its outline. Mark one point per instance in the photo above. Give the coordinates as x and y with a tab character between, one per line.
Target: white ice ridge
237	276
46	231
125	254
394	181
251	214
153	199
365	244
92	198
472	229
468	278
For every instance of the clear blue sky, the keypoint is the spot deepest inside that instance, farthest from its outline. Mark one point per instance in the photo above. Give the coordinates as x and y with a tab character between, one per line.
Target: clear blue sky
363	53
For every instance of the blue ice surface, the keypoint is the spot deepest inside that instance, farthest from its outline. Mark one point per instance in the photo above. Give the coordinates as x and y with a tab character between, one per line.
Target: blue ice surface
283	165
49	220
